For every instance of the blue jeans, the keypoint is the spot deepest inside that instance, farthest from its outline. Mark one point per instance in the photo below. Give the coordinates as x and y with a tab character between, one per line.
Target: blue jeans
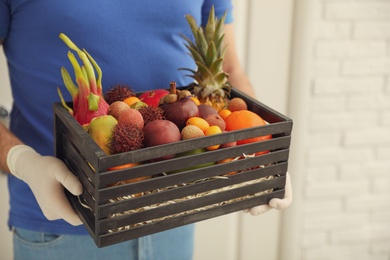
169	245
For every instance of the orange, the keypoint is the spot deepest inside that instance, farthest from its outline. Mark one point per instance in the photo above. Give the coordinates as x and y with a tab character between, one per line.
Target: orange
212	130
242	119
224	113
199	122
196	100
131	100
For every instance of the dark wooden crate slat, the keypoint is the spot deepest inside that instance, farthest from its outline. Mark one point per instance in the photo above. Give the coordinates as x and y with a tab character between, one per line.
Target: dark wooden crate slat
193	189
190	176
187	145
192	160
186	205
124	235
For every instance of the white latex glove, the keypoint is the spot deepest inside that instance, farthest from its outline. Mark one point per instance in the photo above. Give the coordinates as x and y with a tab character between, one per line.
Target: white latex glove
46	176
275	203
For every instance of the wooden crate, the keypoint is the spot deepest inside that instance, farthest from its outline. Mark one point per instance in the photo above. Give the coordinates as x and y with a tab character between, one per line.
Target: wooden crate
113	214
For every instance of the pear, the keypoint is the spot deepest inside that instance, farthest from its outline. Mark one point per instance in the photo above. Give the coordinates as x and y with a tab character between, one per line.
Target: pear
100	129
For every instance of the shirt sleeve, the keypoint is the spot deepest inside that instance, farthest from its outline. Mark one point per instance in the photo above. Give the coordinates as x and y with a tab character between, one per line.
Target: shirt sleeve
220	7
4	18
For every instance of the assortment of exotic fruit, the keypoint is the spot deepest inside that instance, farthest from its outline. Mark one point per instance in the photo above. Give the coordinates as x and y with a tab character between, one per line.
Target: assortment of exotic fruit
121	120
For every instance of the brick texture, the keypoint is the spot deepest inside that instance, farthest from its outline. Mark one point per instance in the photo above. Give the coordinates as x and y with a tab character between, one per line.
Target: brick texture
347	181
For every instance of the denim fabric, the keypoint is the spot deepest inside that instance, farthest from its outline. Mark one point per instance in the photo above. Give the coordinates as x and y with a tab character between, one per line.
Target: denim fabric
169	245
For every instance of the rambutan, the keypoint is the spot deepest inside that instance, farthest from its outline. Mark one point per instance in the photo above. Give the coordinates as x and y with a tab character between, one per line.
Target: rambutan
119	92
126	138
150	113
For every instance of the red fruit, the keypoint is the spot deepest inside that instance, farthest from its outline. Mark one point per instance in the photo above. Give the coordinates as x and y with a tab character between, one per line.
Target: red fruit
152	98
160	132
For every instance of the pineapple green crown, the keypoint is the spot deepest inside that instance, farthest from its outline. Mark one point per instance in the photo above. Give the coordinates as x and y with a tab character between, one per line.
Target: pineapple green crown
208	52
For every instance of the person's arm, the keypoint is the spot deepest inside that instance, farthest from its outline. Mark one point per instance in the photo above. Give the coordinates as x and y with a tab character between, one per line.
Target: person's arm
239	80
232	65
46	176
7	141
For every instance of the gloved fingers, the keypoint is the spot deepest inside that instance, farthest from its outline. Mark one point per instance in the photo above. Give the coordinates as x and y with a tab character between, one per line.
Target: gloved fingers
58	207
258	210
275	203
288	196
67	179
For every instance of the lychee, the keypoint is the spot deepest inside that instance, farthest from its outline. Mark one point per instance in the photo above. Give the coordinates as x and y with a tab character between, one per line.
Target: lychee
190	132
216	120
116	108
131	117
236	104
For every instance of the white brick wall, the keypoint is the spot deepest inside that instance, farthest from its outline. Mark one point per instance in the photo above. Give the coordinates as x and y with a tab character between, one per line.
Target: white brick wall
347	185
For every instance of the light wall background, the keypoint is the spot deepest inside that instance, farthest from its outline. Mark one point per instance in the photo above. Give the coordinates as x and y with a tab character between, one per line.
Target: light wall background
326	64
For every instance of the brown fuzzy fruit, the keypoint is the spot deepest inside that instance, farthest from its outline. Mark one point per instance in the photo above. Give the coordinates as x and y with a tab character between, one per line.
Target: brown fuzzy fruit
118	93
131	117
151	113
125	138
190	132
206	110
116	108
216	120
237	104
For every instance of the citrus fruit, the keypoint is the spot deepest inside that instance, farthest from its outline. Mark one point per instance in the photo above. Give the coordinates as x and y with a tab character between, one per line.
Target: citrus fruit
199	122
242	119
131	100
212	130
224	113
196	100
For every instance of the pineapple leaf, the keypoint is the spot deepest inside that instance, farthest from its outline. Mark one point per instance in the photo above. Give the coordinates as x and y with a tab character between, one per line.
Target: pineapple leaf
189	42
208	90
219	27
216	67
211	54
210	26
201	42
195	54
221	78
193	25
219	45
204	71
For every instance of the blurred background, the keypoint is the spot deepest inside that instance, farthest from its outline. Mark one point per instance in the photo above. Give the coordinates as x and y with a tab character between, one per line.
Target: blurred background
325	64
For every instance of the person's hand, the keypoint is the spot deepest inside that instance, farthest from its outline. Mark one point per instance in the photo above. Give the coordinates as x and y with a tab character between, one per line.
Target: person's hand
275	203
46	176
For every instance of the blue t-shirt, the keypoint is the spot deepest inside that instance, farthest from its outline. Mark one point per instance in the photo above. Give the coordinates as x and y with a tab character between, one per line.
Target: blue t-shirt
138	43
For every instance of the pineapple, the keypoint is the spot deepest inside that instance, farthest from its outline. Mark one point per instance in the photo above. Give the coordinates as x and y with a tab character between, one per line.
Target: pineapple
211	84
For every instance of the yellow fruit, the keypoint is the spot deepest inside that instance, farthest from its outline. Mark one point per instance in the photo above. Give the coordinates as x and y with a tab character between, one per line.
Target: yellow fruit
224	113
199	122
131	100
212	130
196	100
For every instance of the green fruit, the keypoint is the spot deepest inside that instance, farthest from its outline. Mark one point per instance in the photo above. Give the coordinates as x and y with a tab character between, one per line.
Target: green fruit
196	151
